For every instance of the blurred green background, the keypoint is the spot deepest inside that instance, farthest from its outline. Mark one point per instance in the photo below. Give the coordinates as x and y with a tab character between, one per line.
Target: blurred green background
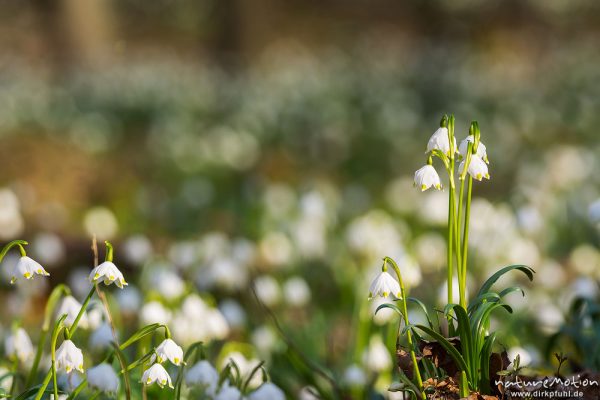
230	142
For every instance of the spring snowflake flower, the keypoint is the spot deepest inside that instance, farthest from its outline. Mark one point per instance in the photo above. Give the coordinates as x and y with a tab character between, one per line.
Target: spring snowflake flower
439	141
384	285
27	268
203	375
69	357
18	345
267	391
481	149
427	177
478	169
109	273
157	374
228	392
71	307
169	350
104	378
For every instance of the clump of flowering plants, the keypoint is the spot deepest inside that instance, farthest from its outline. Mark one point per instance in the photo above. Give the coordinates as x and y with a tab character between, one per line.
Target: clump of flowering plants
465	337
148	358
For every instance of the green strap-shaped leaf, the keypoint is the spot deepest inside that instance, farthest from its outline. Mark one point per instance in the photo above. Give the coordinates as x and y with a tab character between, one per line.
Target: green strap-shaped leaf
390	306
424	309
492	279
456	356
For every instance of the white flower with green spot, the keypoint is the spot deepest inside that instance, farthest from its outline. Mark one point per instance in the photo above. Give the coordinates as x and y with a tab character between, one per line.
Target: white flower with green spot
427	177
69	357
440	141
481	149
27	268
169	350
478	169
157	374
108	273
385	285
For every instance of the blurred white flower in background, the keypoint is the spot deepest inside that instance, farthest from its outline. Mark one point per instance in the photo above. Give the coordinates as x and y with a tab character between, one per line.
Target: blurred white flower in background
530	219
551	274
585	260
166	282
246	367
355	376
101	221
228	392
224	273
48	248
101	338
103	377
433	208
154	312
11	221
18	345
376	357
70	306
267	391
401	197
374	234
296	291
78	280
185	254
137	249
279	200
264	339
234	313
130	300
267	289
276	250
203	375
430	250
197	321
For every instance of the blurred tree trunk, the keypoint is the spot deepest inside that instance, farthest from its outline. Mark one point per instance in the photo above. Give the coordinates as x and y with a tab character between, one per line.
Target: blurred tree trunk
76	32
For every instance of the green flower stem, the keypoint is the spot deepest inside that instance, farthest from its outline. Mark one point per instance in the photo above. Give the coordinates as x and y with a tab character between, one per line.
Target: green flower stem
466	231
12	244
53	299
52	373
15	370
451	230
86	302
69	334
411	345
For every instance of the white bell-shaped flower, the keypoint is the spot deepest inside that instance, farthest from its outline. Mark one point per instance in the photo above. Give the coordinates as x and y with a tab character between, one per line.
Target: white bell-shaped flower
18	345
464	146
385	285
426	177
108	273
104	378
27	268
157	374
203	375
267	391
478	169
71	307
69	357
169	350
439	141
101	338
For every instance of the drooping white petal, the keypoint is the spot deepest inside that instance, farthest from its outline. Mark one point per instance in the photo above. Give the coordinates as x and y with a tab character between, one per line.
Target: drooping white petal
464	146
478	169
385	285
71	307
426	177
157	374
69	357
440	141
18	345
169	350
27	268
108	273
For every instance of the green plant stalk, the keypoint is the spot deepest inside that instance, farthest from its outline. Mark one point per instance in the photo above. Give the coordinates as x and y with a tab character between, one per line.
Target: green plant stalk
411	345
50	306
459	257
69	335
86	302
465	243
52	373
12	244
15	369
